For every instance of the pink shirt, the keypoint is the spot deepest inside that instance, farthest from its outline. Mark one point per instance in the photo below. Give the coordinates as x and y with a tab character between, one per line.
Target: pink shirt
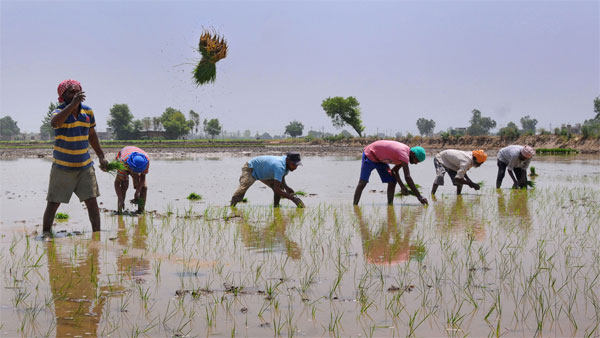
385	151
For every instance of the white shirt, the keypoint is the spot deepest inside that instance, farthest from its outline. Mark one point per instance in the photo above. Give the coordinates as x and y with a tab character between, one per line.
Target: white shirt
510	156
457	160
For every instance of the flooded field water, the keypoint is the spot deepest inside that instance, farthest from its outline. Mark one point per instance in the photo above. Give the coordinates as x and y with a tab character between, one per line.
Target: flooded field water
488	263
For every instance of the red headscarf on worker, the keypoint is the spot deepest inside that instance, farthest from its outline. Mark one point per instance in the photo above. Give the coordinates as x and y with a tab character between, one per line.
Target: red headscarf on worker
63	86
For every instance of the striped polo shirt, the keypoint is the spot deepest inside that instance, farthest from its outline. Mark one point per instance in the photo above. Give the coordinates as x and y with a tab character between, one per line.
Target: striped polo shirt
123	156
71	139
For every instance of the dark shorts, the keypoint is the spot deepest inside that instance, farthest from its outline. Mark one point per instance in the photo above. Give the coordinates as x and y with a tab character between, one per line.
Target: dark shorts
440	171
382	168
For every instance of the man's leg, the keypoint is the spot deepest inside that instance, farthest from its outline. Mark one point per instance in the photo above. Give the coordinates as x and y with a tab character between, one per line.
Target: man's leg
459	188
390	192
49	214
521	176
246	180
434	188
359	189
93	213
276	199
501	173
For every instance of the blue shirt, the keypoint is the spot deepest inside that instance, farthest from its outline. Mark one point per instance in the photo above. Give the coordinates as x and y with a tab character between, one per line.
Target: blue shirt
268	167
71	139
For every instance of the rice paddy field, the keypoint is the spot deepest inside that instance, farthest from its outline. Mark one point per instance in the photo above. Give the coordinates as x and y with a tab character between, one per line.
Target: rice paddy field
487	263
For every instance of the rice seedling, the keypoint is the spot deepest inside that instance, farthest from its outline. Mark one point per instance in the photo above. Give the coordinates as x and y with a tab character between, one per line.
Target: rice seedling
213	48
300	193
194	197
61	216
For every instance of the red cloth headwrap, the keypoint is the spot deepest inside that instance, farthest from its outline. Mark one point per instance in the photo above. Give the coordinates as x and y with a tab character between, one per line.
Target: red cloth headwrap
63	86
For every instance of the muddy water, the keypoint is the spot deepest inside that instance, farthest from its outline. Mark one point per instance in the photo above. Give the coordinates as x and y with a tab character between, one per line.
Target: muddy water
512	263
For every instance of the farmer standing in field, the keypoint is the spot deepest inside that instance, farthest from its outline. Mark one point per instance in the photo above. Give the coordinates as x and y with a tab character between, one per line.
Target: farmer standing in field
73	170
271	170
378	155
516	159
136	163
456	163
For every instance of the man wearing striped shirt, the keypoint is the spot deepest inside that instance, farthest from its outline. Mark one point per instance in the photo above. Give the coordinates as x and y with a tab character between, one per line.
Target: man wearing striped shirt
137	163
73	168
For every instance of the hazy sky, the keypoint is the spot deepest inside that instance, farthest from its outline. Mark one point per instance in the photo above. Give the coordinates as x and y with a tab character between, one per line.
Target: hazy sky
401	60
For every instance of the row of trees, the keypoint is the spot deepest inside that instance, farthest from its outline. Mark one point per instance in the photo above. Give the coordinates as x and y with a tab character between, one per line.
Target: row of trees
172	122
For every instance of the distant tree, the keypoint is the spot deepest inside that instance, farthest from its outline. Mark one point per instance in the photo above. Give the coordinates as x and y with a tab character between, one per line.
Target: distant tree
121	121
136	129
425	126
156	124
511	131
528	124
146	123
195	118
591	127
8	128
294	129
265	136
344	111
247	133
480	125
174	123
345	134
212	127
46	130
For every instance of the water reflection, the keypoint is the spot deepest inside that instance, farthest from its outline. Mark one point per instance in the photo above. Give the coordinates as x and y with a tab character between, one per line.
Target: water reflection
74	278
273	236
516	208
459	216
134	264
390	243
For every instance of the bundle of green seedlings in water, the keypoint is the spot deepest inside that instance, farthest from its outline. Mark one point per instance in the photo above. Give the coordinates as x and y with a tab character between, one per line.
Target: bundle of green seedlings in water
61	216
532	172
194	197
140	202
213	48
531	184
115	166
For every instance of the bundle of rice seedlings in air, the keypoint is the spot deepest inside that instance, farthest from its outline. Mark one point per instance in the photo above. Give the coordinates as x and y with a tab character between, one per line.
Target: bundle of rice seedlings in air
115	165
213	48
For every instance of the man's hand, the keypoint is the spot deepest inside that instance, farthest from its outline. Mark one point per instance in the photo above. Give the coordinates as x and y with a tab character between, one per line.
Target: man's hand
404	191
78	98
475	186
103	163
298	202
423	200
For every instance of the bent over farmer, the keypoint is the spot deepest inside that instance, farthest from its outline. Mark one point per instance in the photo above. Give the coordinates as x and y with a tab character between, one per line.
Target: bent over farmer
72	168
516	159
378	155
456	163
271	170
136	163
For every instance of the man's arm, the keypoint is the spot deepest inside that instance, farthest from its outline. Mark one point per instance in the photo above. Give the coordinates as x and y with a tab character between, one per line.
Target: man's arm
287	187
277	189
467	180
141	181
411	184
395	172
60	118
95	143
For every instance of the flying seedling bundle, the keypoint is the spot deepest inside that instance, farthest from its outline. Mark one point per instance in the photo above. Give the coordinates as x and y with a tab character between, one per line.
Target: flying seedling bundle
213	48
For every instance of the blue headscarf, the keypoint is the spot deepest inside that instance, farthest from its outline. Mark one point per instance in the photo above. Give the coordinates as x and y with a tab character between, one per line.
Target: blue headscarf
137	162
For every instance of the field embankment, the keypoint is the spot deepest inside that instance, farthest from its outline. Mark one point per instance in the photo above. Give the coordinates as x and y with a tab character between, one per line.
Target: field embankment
314	147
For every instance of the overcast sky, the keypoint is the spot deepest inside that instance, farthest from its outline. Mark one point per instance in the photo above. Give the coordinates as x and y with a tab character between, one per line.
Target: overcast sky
401	60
